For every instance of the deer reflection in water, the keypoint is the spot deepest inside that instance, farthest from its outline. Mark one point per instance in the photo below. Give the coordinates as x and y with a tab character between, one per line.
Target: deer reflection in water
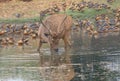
56	67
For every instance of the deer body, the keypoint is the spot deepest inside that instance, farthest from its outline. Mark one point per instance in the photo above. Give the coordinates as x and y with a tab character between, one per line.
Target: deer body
54	28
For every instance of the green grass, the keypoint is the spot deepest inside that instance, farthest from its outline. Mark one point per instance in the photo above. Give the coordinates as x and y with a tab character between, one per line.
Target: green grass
115	4
88	13
19	20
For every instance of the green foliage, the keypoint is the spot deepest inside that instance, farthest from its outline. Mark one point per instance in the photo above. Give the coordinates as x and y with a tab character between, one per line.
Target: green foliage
19	20
115	4
87	13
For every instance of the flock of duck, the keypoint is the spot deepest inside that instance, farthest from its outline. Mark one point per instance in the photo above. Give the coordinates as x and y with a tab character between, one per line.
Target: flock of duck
101	24
17	34
20	34
76	6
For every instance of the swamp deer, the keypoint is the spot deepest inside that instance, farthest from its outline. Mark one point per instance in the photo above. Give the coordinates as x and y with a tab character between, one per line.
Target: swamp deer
54	28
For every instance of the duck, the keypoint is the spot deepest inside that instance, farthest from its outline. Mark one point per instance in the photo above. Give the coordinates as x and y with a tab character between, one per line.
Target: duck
116	29
2	32
95	32
22	41
26	31
4	42
34	35
10	40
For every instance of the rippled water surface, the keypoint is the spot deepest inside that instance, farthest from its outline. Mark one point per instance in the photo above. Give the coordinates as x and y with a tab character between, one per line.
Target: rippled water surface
90	59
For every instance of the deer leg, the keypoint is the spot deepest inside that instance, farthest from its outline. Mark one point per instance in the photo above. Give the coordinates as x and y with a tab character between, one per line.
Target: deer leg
67	42
40	44
68	37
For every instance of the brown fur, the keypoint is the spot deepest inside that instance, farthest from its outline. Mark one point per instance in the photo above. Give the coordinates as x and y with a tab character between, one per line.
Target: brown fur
59	26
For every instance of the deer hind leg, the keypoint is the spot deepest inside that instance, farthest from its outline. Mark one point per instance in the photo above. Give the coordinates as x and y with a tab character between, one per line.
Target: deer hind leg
67	43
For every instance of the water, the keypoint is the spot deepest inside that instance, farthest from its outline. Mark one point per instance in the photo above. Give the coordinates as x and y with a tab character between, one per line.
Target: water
90	59
99	57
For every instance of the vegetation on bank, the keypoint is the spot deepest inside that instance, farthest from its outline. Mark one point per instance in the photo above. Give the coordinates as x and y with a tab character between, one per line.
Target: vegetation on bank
87	13
20	20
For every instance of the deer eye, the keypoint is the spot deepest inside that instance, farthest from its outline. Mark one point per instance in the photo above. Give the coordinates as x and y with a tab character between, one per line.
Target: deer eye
46	34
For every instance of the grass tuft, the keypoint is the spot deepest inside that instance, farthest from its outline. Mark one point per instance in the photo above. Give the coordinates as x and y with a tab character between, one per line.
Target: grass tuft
20	20
88	13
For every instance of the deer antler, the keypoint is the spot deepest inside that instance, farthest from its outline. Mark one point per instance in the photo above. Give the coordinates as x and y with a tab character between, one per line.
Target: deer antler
41	17
61	25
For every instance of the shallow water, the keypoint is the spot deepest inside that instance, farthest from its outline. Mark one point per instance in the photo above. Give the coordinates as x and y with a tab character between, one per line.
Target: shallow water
89	59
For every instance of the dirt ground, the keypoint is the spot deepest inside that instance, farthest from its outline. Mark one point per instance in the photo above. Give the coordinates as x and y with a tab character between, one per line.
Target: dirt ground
29	9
